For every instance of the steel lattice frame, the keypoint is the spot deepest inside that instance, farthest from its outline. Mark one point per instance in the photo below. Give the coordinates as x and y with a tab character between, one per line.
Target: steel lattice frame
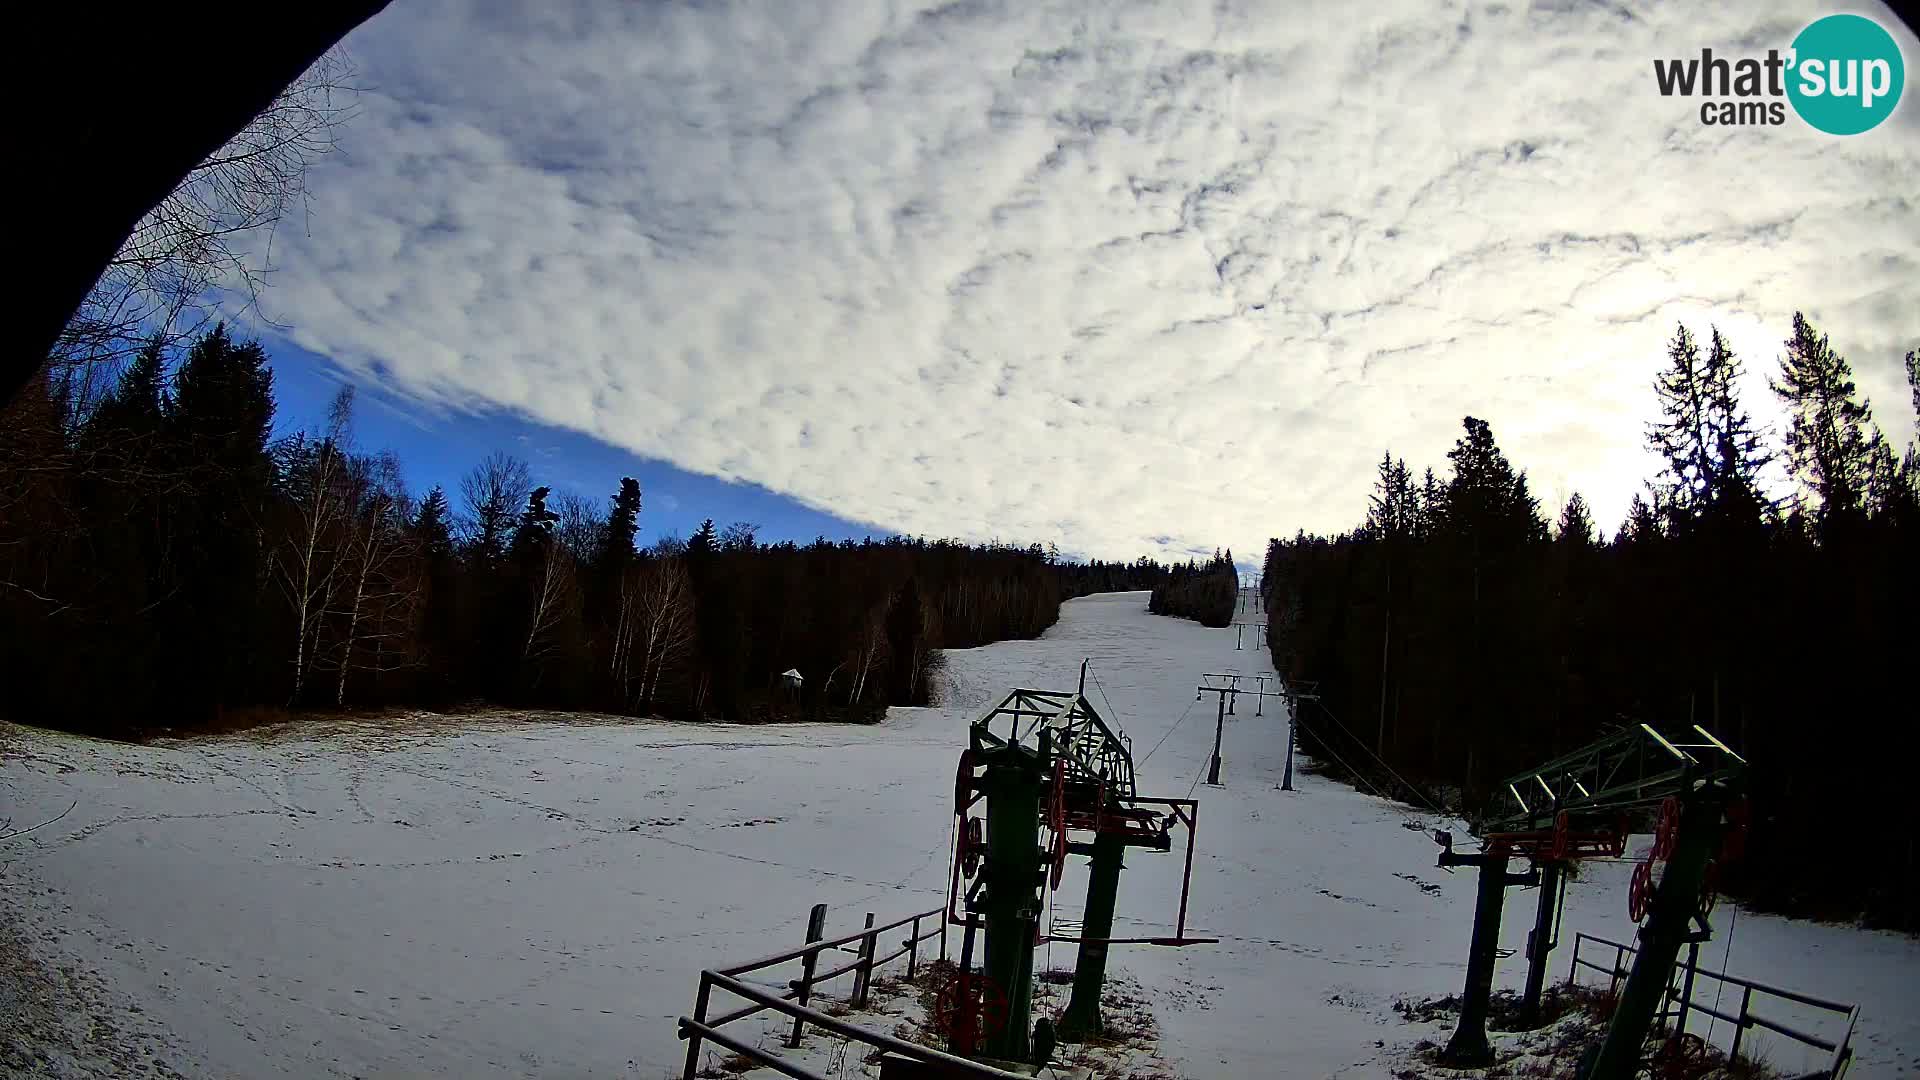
1626	773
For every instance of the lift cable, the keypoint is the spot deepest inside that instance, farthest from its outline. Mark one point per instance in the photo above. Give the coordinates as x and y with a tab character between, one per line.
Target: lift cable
1364	749
1357	774
1119	724
1169	734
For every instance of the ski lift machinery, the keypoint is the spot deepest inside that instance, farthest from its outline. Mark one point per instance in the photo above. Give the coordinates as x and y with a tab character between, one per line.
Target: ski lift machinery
1044	763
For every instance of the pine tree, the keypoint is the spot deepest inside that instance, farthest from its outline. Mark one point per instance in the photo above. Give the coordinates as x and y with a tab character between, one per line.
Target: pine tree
1393	508
1684	439
1913	384
1576	523
432	525
132	414
1829	445
221	414
1739	453
536	522
705	540
623	525
1642	524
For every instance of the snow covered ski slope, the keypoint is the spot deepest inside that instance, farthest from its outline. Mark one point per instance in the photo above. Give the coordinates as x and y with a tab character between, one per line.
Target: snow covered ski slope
533	896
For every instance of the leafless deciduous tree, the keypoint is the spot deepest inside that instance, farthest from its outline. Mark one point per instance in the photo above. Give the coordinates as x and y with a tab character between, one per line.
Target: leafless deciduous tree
654	628
869	651
319	489
381	603
581	528
210	240
555	595
495	491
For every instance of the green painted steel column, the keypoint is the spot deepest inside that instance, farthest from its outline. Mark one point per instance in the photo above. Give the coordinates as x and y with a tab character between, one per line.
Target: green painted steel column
1469	1044
1090	971
1013	783
1674	903
1541	943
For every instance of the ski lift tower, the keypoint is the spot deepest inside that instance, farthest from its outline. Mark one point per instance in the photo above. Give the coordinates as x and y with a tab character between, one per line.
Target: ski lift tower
1046	765
1583	805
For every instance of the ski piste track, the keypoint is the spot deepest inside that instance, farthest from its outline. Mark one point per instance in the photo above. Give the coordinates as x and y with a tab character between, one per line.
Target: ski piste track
532	894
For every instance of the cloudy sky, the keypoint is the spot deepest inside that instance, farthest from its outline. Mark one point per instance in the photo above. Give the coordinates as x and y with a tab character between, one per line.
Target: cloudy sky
1139	277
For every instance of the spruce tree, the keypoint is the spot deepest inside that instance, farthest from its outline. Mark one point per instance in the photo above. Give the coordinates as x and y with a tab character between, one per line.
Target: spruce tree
1576	523
432	525
1828	440
1738	451
1683	438
623	525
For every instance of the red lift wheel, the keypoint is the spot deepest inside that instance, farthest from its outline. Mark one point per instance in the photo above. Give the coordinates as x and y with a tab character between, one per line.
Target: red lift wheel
963	784
970	1008
1057	821
972	843
1640	891
1668	830
1059	856
1558	852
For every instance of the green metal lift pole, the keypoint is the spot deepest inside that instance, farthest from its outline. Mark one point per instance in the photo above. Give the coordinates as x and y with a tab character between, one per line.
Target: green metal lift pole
1219	727
1541	942
1013	782
1090	972
1469	1044
1674	903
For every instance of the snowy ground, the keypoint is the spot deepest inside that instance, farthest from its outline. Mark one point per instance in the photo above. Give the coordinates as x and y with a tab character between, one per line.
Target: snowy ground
535	898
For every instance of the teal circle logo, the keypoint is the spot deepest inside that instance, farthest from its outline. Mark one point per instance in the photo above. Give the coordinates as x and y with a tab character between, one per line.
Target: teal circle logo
1846	75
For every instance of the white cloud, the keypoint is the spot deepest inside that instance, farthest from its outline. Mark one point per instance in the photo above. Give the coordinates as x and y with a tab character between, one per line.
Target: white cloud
1139	277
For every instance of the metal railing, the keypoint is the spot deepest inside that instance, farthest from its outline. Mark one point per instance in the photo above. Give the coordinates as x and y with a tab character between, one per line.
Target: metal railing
700	1027
1838	1051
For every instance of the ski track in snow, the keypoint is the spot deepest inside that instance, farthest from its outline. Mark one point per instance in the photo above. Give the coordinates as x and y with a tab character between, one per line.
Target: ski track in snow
536	899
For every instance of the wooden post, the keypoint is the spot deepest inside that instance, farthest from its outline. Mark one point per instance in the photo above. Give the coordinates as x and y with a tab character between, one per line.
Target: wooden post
863	975
816	929
913	947
693	1037
1740	1029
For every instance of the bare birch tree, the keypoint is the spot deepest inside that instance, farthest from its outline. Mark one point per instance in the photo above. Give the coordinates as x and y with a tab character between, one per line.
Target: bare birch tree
555	593
377	555
655	627
315	474
870	651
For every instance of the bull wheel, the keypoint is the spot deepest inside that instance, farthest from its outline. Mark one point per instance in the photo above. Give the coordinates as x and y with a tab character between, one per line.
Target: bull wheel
1668	830
970	1009
1640	891
963	784
972	843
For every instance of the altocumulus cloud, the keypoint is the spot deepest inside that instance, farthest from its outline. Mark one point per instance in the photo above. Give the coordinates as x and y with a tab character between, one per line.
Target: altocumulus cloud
1141	277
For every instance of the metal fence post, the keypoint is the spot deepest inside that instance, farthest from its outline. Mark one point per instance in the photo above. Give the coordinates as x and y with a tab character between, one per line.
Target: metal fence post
693	1035
1686	993
913	947
863	975
943	934
816	929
